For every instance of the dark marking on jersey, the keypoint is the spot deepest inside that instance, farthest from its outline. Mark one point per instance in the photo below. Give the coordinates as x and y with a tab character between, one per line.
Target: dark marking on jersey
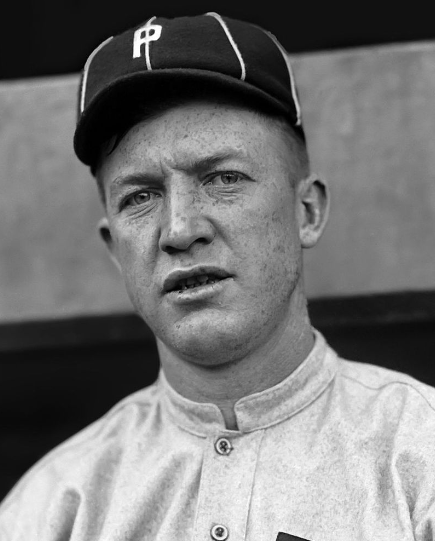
288	537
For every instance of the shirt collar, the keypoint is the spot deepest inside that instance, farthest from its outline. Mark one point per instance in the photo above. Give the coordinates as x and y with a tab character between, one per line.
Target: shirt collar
259	410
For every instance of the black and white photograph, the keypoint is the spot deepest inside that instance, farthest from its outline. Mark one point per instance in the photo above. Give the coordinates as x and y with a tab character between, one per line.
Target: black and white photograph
217	272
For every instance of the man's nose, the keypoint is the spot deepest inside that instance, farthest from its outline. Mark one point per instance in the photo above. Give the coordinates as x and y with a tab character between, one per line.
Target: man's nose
185	223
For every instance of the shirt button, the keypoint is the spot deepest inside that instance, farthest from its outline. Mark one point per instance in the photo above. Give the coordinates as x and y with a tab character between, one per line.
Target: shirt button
223	446
219	532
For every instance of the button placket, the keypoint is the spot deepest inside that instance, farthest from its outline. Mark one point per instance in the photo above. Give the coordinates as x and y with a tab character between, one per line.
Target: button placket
227	479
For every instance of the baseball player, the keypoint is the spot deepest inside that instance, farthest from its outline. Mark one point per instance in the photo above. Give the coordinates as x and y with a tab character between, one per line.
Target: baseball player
255	429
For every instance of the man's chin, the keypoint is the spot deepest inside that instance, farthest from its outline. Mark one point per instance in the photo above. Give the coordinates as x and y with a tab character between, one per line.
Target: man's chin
206	341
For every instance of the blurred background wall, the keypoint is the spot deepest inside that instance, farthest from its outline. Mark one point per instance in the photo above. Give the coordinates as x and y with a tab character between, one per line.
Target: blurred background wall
70	345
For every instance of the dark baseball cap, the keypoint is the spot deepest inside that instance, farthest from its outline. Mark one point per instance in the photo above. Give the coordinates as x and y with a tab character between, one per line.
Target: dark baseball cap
140	63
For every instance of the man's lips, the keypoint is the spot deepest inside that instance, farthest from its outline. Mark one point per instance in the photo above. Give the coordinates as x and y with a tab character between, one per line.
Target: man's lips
183	279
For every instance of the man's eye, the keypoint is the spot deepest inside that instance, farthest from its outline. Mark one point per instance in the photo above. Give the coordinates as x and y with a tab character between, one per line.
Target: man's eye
227	177
138	199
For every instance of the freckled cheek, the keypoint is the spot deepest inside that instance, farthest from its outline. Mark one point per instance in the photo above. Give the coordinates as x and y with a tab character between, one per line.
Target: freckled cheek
136	255
268	247
273	223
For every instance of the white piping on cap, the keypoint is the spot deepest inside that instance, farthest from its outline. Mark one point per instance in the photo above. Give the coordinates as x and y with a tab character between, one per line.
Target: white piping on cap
231	40
86	71
290	72
147	45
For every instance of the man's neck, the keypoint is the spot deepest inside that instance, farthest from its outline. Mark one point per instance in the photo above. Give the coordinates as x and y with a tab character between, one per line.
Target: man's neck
227	383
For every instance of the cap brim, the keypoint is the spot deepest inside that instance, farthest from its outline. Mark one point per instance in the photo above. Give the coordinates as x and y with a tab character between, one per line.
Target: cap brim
109	108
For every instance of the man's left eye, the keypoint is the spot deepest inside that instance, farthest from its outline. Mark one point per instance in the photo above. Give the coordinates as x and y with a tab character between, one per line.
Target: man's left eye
225	178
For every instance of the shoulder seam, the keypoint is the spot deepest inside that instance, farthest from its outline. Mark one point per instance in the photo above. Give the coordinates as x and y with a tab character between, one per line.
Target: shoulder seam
406	384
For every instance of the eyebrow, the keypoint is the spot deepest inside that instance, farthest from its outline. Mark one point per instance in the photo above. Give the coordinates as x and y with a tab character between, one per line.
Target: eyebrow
195	165
208	162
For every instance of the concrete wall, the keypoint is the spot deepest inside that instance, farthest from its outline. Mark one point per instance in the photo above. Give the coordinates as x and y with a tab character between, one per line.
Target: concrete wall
369	115
370	125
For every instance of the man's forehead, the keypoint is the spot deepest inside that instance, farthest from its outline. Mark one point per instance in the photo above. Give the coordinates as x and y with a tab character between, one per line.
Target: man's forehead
193	137
211	127
190	112
140	157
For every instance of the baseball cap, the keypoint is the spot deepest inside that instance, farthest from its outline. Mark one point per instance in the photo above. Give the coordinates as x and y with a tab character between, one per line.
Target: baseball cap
138	64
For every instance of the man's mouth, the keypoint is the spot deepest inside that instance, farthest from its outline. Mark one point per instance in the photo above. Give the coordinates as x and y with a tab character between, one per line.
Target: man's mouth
179	281
196	281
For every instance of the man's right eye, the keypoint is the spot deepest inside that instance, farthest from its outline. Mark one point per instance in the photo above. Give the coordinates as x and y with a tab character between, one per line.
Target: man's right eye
137	199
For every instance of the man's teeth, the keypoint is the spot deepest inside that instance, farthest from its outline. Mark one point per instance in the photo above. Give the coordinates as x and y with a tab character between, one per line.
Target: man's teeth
196	281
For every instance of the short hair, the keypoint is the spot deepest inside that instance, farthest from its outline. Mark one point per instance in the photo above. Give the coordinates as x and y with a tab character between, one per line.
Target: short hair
180	94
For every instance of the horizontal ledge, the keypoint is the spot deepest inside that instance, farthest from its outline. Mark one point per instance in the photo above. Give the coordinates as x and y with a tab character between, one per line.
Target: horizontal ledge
374	309
328	312
77	331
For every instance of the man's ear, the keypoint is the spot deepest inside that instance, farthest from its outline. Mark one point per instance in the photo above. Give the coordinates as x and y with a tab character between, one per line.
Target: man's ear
313	209
106	235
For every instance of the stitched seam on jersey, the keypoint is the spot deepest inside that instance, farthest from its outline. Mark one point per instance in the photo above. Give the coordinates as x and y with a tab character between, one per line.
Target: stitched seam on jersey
231	40
257	460
387	385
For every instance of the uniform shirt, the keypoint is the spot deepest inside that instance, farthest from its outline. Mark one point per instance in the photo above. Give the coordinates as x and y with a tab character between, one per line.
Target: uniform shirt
338	451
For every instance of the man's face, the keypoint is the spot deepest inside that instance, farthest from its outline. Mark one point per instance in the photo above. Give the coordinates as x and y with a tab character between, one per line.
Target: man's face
202	219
